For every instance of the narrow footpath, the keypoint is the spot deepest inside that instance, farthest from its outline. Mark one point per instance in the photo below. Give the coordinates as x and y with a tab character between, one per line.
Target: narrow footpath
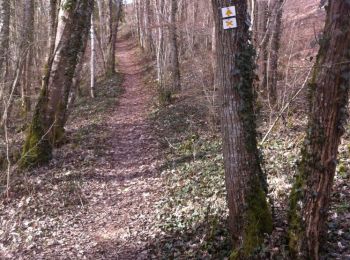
129	208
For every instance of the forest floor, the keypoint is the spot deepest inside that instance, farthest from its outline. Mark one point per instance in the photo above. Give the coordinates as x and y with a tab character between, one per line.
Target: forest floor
95	199
139	181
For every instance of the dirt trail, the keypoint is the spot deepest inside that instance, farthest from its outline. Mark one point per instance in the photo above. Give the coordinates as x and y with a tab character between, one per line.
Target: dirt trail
96	198
134	190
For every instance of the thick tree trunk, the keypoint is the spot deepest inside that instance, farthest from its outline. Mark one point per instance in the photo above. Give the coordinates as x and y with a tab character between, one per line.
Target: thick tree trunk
47	123
249	217
329	88
174	53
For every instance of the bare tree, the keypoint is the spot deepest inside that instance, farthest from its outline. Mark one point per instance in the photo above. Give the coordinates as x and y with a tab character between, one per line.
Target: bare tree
49	115
174	53
249	217
115	8
27	49
4	35
328	92
92	58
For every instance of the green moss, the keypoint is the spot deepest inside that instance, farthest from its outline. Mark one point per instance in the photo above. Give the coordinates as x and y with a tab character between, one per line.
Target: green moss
294	218
257	216
258	223
164	97
37	149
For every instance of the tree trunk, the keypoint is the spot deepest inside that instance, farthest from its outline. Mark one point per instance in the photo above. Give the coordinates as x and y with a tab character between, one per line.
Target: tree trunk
174	53
148	18
274	45
53	20
28	50
249	213
92	61
328	92
4	42
114	17
4	34
47	123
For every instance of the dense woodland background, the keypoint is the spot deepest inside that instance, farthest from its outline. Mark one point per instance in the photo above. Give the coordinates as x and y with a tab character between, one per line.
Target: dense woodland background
69	185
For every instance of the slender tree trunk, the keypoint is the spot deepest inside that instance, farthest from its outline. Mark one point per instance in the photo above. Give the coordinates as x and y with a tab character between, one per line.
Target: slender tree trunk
148	18
28	51
249	213
114	17
92	61
53	20
260	38
328	92
48	119
4	34
174	53
274	45
4	42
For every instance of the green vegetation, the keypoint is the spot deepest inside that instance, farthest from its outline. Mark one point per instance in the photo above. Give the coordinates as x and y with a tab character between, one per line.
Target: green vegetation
193	213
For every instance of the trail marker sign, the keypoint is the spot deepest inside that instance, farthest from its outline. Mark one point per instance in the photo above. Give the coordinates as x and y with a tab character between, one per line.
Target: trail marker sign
229	11
230	23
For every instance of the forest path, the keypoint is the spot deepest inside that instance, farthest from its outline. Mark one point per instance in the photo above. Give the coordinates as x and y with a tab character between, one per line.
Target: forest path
96	199
134	189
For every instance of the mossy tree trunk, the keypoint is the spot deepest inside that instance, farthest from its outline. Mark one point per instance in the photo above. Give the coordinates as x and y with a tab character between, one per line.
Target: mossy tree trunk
249	214
47	124
329	88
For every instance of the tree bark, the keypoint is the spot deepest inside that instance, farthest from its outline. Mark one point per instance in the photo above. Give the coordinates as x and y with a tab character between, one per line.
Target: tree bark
148	19
47	122
249	213
4	34
274	45
328	93
174	53
27	49
115	7
92	58
4	44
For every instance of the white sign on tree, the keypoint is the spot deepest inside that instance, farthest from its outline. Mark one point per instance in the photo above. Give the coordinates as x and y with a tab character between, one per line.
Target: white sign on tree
230	23
229	11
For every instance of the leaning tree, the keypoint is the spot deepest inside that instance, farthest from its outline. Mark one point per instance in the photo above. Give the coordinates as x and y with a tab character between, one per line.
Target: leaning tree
328	93
49	116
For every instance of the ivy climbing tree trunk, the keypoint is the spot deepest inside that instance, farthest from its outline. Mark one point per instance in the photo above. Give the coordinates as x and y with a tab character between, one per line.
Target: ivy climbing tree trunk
249	213
47	122
328	91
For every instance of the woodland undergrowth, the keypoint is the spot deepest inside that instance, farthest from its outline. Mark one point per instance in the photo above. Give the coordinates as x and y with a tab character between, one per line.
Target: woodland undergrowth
192	214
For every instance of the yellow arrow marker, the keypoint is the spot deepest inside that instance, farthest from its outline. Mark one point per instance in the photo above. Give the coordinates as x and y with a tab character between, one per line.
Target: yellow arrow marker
229	13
